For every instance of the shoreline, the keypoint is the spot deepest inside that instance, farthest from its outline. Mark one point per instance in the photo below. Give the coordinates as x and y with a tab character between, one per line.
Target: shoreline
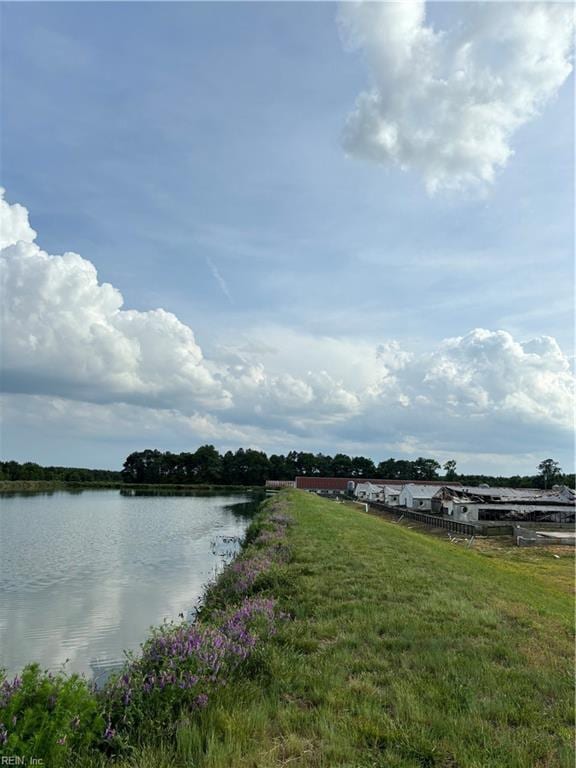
15	486
224	624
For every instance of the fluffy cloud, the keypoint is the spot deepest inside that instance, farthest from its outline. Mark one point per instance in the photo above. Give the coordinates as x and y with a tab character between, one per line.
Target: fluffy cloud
483	385
15	226
73	354
65	333
488	372
287	402
447	103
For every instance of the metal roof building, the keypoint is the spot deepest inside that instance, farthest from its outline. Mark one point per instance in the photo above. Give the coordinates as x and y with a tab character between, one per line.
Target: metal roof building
335	484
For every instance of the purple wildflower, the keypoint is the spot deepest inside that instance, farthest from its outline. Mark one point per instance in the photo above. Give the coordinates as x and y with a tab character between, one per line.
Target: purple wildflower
8	689
281	519
188	660
201	700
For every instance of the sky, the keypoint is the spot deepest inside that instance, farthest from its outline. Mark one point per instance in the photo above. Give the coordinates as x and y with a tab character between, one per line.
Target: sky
288	226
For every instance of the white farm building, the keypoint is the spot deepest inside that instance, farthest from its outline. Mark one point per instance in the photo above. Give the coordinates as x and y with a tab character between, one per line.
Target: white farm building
392	495
369	491
419	496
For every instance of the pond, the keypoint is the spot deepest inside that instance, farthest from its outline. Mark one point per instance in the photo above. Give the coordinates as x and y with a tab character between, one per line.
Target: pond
84	575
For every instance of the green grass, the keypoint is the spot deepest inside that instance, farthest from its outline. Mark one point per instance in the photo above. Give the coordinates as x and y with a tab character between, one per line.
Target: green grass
405	650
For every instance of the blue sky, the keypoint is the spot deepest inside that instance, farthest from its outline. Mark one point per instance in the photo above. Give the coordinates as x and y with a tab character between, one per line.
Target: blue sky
193	153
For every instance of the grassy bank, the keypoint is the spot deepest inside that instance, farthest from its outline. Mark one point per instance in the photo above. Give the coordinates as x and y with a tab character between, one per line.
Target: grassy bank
404	650
401	650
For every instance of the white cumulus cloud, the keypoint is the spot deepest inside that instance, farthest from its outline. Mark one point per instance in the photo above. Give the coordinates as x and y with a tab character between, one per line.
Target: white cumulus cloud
70	348
65	333
489	372
446	103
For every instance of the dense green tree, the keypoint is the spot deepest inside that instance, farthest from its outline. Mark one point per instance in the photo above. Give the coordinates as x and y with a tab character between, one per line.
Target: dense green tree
292	463
169	468
406	470
208	465
31	471
426	469
549	472
13	471
257	467
228	461
450	469
248	467
342	465
278	468
387	470
323	465
363	467
305	463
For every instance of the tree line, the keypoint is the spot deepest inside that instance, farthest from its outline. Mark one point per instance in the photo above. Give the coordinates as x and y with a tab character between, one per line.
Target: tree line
251	467
13	470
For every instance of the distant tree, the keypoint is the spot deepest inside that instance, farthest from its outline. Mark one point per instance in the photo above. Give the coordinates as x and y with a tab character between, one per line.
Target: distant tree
278	468
305	463
186	467
404	470
143	467
245	467
31	471
426	469
549	471
228	468
388	470
208	465
322	465
341	465
363	467
13	471
251	467
168	466
132	469
292	464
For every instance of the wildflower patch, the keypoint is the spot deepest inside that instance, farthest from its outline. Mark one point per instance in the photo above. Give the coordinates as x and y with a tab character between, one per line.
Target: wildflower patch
178	670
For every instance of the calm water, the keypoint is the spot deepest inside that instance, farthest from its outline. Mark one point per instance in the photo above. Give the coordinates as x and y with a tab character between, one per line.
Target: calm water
83	576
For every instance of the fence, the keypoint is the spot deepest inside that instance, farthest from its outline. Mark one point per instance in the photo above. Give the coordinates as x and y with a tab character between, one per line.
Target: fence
469	529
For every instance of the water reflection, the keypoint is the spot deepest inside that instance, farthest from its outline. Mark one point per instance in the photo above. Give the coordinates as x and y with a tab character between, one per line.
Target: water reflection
84	577
161	490
24	494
